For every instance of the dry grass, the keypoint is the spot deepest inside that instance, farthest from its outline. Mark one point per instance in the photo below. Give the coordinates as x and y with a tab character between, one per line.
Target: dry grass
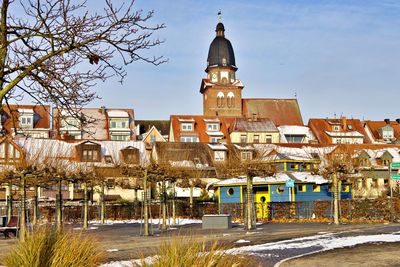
45	247
186	251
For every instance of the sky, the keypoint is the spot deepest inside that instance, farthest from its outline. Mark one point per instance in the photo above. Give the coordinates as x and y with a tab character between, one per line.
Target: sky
339	57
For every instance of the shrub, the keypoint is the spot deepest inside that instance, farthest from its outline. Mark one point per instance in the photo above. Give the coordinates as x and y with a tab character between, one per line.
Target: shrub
184	251
45	247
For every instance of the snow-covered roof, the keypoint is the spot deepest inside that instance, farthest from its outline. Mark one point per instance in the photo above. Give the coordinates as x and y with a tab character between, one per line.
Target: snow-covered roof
216	120
344	134
215	133
117	114
294	129
246	147
299	177
217	147
25	110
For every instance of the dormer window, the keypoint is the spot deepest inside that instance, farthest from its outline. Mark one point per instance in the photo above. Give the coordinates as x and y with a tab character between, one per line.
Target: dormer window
89	152
219	155
212	127
247	155
131	155
187	127
9	153
119	123
26	118
336	128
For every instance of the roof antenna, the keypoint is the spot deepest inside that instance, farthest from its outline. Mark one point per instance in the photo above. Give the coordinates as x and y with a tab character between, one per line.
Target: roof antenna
219	16
295	94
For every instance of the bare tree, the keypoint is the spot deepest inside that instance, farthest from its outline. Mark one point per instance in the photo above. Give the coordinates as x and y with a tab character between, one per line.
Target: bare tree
55	51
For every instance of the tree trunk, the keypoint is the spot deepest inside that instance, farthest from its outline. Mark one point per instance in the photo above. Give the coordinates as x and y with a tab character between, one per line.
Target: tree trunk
250	225
103	204
85	206
36	206
22	223
145	207
191	200
335	199
9	202
173	206
164	206
59	206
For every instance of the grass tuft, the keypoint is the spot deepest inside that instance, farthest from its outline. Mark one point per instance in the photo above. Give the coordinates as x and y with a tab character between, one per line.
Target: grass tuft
184	251
45	248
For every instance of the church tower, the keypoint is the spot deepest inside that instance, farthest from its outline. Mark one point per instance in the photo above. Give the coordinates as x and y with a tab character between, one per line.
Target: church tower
222	92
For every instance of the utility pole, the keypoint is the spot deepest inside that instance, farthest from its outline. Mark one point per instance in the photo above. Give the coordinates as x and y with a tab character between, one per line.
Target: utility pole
335	199
250	210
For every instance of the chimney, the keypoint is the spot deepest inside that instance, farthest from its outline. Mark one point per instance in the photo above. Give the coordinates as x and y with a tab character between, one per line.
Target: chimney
387	121
344	122
398	121
254	117
103	110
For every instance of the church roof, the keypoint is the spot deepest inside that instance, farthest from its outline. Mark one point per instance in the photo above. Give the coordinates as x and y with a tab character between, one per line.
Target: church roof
280	111
221	50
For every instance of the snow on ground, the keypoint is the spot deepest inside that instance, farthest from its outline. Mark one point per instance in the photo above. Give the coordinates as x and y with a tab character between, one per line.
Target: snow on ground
323	242
179	221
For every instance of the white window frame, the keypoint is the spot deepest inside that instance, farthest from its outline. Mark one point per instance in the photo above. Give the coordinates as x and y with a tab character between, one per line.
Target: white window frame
213	127
187	126
189	139
119	123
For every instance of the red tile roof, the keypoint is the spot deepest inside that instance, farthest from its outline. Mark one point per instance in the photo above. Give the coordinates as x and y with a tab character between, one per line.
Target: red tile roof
41	117
200	127
374	126
280	111
320	126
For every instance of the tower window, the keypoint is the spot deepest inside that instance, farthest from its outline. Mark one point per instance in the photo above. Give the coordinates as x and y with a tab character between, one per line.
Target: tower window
230	100
224	61
220	99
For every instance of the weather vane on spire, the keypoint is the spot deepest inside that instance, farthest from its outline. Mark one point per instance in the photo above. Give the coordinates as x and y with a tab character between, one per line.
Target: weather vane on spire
219	16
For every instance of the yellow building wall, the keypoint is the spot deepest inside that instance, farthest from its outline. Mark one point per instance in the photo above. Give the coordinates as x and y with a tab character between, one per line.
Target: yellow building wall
235	137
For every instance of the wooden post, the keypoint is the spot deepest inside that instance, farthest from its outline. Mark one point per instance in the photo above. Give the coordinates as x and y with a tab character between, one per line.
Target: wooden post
22	223
103	204
250	210
9	202
145	207
173	205
191	199
59	205
335	199
164	206
85	206
36	206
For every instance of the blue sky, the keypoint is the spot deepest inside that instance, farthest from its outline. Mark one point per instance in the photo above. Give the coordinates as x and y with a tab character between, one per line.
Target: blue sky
340	57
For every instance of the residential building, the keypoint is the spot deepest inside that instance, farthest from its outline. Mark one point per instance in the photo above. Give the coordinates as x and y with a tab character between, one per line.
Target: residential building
296	134
197	128
254	130
26	120
94	123
387	132
339	131
151	131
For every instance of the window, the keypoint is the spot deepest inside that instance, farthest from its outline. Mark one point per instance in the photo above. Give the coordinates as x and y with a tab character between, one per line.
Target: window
230	191
119	123
220	99
316	188
231	100
187	127
108	159
386	162
152	138
214	139
189	139
336	128
302	188
280	189
90	152
263	199
131	155
256	139
120	137
213	127
247	155
219	155
110	183
294	166
8	153
345	188
268	139
243	138
90	155
294	138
